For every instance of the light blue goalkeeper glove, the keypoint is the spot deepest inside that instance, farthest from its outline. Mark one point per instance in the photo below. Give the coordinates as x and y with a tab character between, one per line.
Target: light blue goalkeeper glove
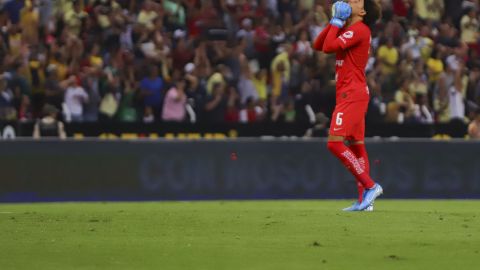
341	11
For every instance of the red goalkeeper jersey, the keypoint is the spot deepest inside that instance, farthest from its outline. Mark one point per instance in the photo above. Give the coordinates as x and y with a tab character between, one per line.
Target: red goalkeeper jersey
352	48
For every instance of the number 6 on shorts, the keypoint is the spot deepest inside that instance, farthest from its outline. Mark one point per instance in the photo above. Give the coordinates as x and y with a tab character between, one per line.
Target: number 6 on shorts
339	120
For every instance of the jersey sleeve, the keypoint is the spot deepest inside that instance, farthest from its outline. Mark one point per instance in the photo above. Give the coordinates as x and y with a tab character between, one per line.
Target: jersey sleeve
320	40
335	42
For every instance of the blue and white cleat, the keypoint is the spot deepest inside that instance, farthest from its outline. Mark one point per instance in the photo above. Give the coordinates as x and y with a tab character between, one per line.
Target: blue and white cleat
369	208
370	196
352	208
355	207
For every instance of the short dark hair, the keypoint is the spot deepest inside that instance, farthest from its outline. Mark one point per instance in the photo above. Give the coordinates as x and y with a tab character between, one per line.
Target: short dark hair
374	12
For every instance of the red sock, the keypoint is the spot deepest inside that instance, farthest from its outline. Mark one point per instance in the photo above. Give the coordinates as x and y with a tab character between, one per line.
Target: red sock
348	158
361	190
361	153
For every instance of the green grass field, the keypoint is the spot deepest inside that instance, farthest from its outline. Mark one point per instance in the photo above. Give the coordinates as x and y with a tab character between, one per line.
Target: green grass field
240	235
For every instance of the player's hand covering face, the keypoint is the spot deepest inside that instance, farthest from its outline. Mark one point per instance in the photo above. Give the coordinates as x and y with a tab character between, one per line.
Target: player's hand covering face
341	11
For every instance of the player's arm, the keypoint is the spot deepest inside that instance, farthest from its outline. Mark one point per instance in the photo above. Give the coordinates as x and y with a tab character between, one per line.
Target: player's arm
334	43
320	40
341	11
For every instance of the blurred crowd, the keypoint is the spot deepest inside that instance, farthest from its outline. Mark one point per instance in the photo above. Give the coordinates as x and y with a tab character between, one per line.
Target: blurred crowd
229	61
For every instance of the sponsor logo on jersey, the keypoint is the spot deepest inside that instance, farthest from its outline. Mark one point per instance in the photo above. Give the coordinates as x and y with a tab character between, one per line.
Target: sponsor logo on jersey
348	34
339	63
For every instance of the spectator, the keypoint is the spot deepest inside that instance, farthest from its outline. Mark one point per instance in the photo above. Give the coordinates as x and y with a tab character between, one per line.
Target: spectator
320	127
75	98
288	114
474	127
469	28
13	9
248	34
473	88
251	113
74	18
48	125
127	111
262	41
7	108
402	8
445	86
108	105
232	115
54	88
216	104
91	82
151	87
419	82
280	70
260	83
246	85
20	86
421	111
303	47
147	15
404	101
175	13
217	78
29	22
434	68
388	56
456	99
430	9
195	91
174	104
148	115
182	53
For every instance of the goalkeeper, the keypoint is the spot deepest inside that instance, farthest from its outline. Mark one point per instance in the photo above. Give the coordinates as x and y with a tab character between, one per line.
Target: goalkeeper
348	36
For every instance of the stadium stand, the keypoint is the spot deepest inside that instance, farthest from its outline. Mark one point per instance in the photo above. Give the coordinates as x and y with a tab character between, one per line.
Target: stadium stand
229	61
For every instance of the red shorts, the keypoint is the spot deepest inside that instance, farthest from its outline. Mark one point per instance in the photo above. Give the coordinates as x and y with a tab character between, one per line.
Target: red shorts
348	120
